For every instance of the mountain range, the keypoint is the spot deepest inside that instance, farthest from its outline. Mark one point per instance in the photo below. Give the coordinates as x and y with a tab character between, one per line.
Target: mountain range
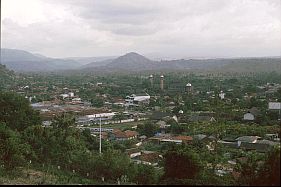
23	61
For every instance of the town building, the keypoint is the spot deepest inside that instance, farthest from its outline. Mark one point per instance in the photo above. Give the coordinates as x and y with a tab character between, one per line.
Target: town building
251	114
137	100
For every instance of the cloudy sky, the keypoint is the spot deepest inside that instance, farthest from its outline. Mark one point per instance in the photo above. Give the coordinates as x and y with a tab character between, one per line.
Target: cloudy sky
158	28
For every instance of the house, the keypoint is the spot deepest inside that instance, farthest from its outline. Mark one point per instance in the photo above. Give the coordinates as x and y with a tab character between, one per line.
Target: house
158	137
184	139
147	157
204	138
229	144
255	143
46	123
259	146
131	134
133	152
273	137
163	125
168	138
126	135
143	137
76	100
119	135
248	139
63	96
200	137
249	117
150	157
71	94
251	114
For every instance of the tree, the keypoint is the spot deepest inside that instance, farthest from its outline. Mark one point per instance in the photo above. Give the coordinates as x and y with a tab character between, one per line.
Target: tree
111	165
148	129
97	102
65	121
249	169
13	152
37	137
176	128
119	116
181	163
145	174
16	112
269	175
90	141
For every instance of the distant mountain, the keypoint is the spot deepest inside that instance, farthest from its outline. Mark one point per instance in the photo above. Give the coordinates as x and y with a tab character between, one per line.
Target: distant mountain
23	61
135	62
19	60
132	61
97	64
94	61
264	64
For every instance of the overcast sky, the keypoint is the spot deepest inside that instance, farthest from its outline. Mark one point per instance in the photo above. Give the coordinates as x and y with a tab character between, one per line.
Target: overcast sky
164	28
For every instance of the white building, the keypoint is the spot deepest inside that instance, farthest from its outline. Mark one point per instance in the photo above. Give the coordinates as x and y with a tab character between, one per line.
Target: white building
252	114
71	94
274	106
249	117
102	115
76	99
136	100
95	118
221	95
64	96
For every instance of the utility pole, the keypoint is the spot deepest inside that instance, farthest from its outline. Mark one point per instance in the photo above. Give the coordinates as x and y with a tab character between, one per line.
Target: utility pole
280	114
100	134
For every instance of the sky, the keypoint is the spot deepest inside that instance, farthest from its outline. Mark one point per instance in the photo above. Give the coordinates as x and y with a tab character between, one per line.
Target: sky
158	29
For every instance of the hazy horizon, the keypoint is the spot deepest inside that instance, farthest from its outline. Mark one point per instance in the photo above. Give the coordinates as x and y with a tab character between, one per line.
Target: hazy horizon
149	56
158	30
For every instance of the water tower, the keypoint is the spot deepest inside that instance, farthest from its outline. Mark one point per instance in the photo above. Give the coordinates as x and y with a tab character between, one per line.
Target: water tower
162	82
188	88
151	80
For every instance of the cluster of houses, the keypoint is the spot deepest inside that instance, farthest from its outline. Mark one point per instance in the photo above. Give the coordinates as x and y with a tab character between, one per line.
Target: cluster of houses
252	143
67	100
138	155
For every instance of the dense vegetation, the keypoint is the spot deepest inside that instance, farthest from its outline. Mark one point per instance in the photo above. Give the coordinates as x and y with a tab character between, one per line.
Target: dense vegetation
61	146
7	77
72	156
70	150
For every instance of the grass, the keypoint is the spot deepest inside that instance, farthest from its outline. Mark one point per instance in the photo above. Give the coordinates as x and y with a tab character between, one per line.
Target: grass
37	176
48	176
